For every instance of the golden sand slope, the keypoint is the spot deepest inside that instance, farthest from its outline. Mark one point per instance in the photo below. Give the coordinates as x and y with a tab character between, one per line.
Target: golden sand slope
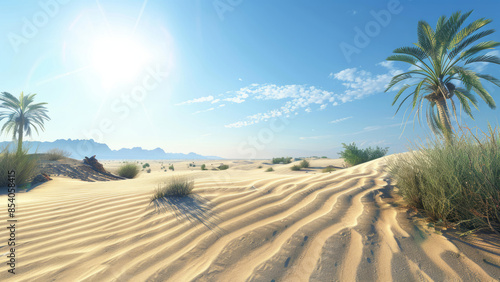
241	224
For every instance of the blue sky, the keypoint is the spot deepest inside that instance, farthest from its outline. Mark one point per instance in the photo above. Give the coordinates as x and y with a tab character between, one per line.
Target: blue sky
236	79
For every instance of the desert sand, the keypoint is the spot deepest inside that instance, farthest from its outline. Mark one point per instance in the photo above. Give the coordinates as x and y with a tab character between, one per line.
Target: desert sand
241	224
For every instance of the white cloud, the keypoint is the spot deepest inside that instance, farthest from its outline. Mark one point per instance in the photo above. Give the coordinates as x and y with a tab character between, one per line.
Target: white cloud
203	111
361	83
197	100
340	120
315	137
323	107
215	101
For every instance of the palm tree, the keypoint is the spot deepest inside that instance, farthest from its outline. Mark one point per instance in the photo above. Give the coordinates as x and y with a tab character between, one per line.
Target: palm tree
21	116
441	69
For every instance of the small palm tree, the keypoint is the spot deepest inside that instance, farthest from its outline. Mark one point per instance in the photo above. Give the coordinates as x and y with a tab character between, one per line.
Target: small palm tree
21	116
440	69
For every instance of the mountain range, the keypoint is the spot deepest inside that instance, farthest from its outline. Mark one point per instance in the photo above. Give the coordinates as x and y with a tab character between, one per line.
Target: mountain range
87	148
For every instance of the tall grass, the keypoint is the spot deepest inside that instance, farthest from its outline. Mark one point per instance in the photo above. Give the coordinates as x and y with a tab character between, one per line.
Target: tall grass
458	183
56	154
128	170
174	187
353	155
25	166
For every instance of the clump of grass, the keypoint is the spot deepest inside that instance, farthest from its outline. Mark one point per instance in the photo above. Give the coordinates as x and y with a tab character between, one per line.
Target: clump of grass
128	170
174	187
171	167
203	167
269	169
24	165
285	160
145	165
324	157
328	169
457	183
295	167
304	164
57	154
259	166
223	167
353	155
148	170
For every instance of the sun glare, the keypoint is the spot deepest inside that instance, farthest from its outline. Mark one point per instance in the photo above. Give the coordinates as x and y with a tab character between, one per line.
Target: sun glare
118	60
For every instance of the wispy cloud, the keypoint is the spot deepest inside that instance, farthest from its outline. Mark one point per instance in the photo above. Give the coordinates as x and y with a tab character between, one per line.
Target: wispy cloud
340	120
358	84
203	111
315	137
197	100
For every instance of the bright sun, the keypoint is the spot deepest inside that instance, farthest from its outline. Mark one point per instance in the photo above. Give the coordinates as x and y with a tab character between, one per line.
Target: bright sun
118	59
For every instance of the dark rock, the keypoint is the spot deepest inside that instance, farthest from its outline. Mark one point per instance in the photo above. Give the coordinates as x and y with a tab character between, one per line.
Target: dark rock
41	178
95	164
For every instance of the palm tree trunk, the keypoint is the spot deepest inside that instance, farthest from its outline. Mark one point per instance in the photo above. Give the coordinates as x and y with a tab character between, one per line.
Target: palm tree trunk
20	138
445	119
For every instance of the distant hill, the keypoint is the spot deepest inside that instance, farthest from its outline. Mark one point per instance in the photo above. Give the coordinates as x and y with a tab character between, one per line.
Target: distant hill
86	148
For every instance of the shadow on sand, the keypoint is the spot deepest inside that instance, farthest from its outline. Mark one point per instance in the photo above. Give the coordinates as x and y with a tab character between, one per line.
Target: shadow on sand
194	208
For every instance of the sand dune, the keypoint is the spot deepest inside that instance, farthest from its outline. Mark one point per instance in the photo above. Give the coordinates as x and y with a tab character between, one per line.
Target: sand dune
241	224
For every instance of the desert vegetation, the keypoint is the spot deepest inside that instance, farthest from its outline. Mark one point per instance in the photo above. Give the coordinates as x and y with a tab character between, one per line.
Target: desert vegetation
269	169
352	155
56	154
22	163
456	184
128	170
174	187
284	160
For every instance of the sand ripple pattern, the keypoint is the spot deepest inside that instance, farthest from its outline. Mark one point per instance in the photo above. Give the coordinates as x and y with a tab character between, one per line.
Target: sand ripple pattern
340	226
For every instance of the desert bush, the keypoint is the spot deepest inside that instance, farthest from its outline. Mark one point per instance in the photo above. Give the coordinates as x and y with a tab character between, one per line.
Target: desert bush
203	167
24	165
353	155
148	170
457	183
223	167
259	166
328	169
269	169
128	170
145	165
171	167
324	157
174	187
304	164
56	154
295	167
285	160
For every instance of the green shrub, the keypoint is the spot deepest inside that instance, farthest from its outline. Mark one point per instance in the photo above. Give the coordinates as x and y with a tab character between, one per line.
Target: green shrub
128	170
285	160
174	187
269	169
171	167
145	165
304	164
56	154
223	167
328	169
324	157
24	165
295	167
353	155
458	183
259	166
148	170
203	167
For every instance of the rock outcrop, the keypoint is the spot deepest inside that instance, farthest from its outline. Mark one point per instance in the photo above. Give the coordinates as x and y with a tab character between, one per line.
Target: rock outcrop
95	164
43	177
